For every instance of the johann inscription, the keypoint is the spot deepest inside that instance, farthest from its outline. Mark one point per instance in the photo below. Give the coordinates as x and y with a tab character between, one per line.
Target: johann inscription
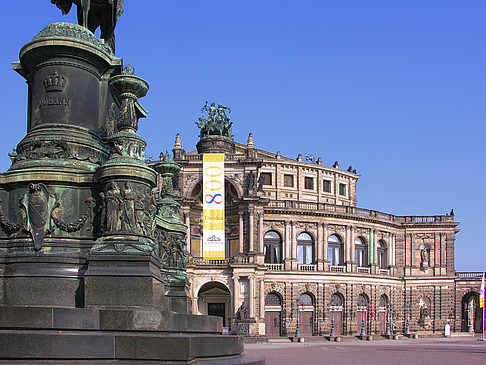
50	101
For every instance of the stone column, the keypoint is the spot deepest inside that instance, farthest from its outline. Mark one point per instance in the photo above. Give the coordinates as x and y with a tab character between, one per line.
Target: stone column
320	265
353	248
236	294
187	216
347	249
194	299
294	246
262	300
373	251
250	232
241	235
251	296
325	237
287	246
260	233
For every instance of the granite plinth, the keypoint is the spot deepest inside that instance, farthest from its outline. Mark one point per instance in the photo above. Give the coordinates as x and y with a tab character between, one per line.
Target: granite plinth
123	281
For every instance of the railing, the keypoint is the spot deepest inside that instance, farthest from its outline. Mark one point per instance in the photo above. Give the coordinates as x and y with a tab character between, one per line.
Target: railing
363	270
344	209
384	272
275	267
307	267
469	275
209	262
227	157
336	268
243	260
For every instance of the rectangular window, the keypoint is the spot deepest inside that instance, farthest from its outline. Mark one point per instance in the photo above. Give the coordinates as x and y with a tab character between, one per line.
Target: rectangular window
360	257
308	254
342	189
300	254
266	178
289	181
334	256
309	183
327	186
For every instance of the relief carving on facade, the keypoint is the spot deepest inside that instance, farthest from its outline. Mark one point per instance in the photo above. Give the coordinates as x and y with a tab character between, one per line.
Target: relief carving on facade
336	228
362	231
275	287
423	236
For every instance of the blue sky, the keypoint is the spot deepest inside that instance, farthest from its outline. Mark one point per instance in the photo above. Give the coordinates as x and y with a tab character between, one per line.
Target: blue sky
394	88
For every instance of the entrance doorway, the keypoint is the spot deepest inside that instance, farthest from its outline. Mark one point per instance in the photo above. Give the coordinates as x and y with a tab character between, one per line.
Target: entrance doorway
336	311
217	309
382	309
272	324
361	314
214	299
306	314
273	315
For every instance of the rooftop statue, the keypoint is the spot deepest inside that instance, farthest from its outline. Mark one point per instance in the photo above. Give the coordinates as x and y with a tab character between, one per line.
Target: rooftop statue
94	14
217	124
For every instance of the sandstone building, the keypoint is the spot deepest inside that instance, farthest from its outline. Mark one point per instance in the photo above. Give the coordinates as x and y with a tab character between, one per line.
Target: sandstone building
300	253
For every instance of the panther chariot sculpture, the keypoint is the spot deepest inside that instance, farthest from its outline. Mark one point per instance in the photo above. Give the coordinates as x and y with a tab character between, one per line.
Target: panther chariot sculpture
94	14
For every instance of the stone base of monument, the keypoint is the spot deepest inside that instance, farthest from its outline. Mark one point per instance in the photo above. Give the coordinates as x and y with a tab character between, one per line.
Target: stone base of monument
75	335
123	281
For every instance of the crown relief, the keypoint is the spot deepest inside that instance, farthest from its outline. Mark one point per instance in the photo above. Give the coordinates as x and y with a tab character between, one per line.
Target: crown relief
55	83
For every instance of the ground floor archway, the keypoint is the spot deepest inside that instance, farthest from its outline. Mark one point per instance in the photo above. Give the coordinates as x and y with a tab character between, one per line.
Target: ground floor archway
214	299
472	315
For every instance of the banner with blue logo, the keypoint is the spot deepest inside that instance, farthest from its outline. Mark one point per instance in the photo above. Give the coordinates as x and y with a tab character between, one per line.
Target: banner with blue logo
213	207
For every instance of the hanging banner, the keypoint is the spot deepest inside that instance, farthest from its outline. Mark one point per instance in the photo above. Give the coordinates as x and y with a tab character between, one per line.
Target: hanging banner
481	292
213	206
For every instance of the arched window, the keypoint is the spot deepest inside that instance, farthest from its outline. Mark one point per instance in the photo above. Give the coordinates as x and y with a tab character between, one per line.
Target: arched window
383	301
305	248
360	252
306	299
334	250
363	302
336	300
382	254
272	246
273	299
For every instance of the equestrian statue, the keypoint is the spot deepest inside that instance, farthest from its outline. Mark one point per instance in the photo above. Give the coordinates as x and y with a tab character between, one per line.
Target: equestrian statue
94	14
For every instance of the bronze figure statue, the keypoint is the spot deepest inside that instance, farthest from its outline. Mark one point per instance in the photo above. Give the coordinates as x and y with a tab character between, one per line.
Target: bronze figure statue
217	124
94	14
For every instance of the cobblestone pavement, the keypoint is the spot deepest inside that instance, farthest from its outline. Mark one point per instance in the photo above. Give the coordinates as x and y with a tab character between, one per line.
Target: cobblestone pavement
420	351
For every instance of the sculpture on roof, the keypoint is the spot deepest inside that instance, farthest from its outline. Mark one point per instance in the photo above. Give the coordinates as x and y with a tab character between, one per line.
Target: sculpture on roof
94	14
217	123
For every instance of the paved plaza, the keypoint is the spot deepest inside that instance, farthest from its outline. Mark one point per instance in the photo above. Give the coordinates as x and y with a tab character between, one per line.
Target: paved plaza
405	351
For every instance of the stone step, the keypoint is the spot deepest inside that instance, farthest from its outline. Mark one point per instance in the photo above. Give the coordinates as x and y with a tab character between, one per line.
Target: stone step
106	319
39	345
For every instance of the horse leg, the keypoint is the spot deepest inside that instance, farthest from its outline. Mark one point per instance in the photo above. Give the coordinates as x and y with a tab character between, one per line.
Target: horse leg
85	5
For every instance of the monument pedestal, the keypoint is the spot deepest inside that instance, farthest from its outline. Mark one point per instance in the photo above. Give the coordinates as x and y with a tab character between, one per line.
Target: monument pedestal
123	281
